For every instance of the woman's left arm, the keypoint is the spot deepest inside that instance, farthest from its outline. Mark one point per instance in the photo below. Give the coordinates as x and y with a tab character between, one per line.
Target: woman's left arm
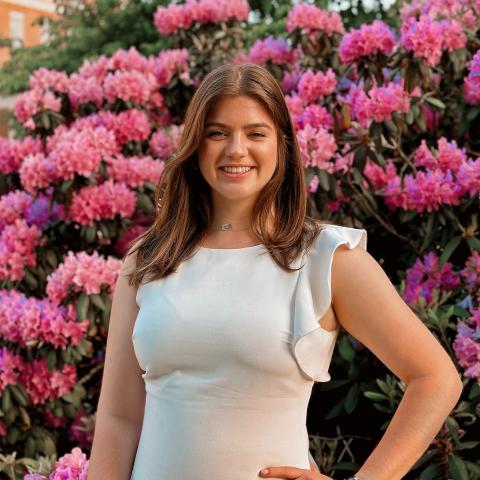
369	307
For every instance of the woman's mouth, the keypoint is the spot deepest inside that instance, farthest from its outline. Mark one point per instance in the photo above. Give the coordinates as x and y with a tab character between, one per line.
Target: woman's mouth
237	172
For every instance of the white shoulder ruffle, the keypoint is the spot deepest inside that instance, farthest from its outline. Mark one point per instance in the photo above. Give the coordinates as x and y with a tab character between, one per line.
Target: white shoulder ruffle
313	345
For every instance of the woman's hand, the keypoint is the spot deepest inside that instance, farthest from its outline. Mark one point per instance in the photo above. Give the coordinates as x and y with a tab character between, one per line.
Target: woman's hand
293	473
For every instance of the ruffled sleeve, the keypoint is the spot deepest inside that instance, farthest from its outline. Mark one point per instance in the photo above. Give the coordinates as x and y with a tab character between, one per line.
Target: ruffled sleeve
313	345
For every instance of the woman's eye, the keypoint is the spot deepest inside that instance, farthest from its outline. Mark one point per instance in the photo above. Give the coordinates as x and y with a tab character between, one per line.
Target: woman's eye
211	134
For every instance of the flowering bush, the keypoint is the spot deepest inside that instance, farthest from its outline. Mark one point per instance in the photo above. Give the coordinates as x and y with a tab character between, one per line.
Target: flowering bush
386	123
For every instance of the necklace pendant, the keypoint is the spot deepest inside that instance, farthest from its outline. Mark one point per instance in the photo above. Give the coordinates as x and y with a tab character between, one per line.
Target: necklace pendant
225	226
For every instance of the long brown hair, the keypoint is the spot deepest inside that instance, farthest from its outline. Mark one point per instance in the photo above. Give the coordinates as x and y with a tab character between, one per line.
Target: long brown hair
182	195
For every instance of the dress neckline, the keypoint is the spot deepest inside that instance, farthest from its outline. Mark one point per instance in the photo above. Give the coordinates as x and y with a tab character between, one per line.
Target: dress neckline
251	247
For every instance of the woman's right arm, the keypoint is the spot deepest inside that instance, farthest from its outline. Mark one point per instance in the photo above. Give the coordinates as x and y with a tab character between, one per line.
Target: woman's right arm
120	409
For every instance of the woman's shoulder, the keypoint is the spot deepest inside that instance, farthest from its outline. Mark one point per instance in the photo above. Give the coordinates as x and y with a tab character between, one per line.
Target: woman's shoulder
332	235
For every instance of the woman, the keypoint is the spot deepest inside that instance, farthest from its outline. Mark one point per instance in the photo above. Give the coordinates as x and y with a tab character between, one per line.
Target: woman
228	308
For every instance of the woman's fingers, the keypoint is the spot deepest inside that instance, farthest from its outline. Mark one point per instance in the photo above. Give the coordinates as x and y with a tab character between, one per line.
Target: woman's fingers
292	473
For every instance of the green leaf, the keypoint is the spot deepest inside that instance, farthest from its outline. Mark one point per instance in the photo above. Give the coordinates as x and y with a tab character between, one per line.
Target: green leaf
82	307
144	203
436	102
98	302
6	400
375	396
351	399
51	258
473	243
324	180
449	249
431	472
19	396
346	350
51	358
91	234
457	468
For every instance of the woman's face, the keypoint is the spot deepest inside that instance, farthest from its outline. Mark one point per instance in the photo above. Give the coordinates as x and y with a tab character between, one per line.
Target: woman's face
238	131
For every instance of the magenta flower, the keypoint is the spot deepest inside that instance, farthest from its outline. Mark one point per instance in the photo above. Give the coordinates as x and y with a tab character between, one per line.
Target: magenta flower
31	102
44	78
82	273
18	242
317	147
129	86
314	86
275	50
101	202
134	171
427	280
13	151
423	37
29	321
312	19
366	41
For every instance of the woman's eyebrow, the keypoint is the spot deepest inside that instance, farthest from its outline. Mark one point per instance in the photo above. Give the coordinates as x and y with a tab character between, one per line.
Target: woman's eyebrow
250	125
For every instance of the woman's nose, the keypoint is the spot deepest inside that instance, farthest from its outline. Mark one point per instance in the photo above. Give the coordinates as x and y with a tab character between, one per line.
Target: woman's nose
236	145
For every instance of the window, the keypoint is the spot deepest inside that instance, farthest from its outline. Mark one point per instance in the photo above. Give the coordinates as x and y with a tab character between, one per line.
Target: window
17	29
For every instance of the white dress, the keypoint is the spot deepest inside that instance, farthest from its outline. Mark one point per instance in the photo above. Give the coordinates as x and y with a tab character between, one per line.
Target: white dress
231	346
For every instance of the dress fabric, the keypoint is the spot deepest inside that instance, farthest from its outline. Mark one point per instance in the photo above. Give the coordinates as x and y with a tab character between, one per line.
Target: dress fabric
231	346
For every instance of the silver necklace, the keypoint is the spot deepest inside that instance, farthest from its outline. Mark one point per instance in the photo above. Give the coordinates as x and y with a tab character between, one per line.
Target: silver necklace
227	226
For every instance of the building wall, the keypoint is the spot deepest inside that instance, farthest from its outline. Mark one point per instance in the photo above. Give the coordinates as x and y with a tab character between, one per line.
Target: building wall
15	14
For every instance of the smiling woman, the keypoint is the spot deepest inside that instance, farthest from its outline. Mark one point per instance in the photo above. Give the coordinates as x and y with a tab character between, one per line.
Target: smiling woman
229	306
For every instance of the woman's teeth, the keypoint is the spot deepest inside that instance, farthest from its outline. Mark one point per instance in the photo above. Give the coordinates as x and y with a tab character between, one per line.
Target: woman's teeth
236	169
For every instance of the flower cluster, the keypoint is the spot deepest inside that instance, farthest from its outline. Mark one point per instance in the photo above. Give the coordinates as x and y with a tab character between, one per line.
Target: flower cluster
134	171
72	466
275	50
378	103
313	19
101	202
472	81
82	272
169	20
314	86
41	384
427	280
366	41
317	147
427	38
28	321
13	151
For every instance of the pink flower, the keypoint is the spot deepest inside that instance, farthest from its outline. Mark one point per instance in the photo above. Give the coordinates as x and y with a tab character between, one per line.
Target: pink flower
83	90
271	49
314	115
367	40
29	321
31	102
79	150
13	151
134	171
453	35
38	171
18	243
82	273
44	78
165	141
378	104
311	18
172	18
423	37
170	64
317	147
129	86
313	86
102	202
427	280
